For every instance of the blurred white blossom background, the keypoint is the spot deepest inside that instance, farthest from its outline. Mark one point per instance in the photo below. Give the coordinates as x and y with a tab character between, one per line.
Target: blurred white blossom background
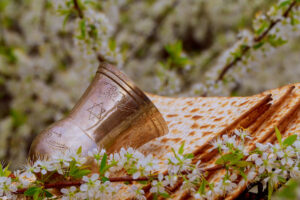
50	50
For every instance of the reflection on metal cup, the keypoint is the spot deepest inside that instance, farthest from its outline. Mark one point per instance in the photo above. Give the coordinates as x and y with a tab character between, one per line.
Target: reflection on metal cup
112	113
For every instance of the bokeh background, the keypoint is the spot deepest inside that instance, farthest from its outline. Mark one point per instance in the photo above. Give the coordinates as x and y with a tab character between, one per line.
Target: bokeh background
44	70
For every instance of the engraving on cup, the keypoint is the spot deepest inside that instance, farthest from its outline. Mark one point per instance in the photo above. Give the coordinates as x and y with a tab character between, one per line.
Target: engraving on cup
96	111
111	92
126	105
52	138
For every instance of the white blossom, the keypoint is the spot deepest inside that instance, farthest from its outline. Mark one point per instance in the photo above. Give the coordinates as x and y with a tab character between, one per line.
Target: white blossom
138	192
7	188
43	166
69	193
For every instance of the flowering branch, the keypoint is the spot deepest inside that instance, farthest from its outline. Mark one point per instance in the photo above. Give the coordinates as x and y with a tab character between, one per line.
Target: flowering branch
81	16
274	22
255	40
271	164
93	32
64	184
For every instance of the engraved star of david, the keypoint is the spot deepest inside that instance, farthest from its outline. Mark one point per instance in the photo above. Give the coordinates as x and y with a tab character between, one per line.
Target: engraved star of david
57	133
96	111
125	108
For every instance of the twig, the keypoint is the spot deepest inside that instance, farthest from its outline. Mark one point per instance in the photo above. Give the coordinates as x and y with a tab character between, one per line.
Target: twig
257	39
63	184
57	185
81	15
231	64
78	9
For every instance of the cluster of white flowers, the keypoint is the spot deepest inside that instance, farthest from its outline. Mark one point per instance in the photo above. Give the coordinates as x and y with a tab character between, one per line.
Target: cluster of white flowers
7	188
93	29
177	164
94	189
271	164
276	163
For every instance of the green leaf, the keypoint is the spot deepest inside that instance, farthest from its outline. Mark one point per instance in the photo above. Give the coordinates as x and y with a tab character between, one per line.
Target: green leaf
9	54
82	30
289	140
81	5
81	173
258	45
19	118
79	150
294	20
77	172
284	3
220	161
243	174
243	163
47	193
278	135
31	191
202	186
175	49
143	182
237	54
36	195
189	156
175	154
270	190
67	16
93	32
104	179
276	41
176	59
230	158
164	195
1	170
103	164
4	171
281	179
181	62
3	4
264	25
288	191
112	44
181	149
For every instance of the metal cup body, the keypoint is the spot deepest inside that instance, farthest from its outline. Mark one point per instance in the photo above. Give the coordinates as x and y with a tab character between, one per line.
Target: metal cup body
112	113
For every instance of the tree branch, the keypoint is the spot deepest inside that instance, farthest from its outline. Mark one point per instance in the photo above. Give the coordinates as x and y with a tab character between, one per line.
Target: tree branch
78	9
64	184
256	40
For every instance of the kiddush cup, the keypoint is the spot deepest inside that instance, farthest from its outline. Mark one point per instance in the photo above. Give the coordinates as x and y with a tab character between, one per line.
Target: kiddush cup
112	113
